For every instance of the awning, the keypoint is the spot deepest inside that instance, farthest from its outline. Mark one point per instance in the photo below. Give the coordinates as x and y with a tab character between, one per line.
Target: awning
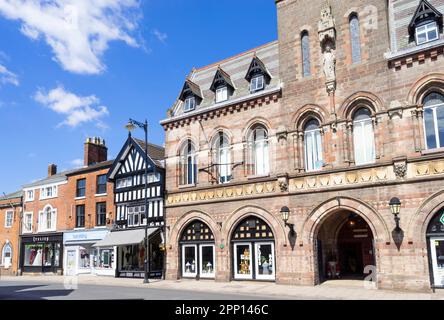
125	237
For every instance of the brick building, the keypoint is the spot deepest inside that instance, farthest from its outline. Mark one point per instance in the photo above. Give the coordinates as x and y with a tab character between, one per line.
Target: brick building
10	213
330	122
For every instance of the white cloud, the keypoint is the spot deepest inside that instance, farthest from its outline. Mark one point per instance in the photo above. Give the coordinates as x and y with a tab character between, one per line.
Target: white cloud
77	109
78	31
76	163
7	77
161	36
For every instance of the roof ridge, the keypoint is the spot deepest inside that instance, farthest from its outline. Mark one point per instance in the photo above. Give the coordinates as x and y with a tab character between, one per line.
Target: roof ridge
235	56
150	144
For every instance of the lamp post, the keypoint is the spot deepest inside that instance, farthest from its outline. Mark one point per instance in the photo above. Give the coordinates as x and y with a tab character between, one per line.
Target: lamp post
130	126
395	207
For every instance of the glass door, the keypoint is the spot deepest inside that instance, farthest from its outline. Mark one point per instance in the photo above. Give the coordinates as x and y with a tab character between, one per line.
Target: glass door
264	256
189	260
437	249
242	261
207	260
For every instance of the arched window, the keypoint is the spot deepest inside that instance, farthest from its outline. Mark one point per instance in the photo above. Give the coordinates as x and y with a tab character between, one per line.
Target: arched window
355	38
47	219
434	120
7	255
198	250
222	158
259	154
305	42
188	166
363	137
313	146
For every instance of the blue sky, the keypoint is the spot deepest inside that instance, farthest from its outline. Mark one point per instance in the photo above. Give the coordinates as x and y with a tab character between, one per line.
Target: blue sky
70	70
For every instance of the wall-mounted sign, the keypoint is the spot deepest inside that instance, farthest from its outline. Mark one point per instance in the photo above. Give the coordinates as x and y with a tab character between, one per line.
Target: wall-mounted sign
442	219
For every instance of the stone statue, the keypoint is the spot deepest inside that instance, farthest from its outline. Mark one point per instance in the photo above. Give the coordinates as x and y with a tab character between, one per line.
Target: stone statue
329	64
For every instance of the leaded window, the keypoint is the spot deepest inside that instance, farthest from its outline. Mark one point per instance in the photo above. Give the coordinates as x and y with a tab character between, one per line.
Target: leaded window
355	38
305	40
252	228
197	231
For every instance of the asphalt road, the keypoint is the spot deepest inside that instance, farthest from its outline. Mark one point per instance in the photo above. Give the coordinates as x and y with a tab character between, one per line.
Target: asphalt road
10	290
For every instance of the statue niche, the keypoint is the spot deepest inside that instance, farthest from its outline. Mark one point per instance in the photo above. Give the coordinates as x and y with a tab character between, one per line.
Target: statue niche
327	40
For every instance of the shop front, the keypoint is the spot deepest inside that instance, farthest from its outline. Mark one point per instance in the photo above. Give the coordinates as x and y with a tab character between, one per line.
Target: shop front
81	257
130	252
42	253
435	243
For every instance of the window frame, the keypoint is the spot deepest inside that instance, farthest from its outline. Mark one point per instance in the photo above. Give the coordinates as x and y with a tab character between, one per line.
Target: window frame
26	214
42	224
189	104
78	189
363	123
254	80
188	158
27	197
313	133
426	32
98	204
305	54
77	225
434	108
224	91
9	218
44	192
356	52
98	184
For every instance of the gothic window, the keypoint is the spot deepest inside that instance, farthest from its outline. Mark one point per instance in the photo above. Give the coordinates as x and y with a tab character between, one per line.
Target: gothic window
222	158
363	137
258	149
7	255
305	40
434	120
313	146
188	166
355	38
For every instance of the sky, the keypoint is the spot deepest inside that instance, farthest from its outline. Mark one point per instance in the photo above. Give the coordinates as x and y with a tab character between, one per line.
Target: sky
72	69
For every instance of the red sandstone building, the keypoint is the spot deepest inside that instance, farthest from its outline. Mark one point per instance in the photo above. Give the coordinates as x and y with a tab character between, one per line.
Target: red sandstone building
334	119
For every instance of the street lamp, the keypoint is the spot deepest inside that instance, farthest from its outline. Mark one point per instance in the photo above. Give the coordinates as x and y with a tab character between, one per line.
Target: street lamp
130	126
285	214
395	207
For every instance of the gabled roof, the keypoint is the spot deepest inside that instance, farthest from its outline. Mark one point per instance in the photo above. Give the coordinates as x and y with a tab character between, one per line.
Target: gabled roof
221	76
156	155
256	66
424	11
13	195
190	87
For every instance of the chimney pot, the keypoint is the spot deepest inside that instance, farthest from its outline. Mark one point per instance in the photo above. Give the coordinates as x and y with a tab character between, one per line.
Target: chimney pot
95	151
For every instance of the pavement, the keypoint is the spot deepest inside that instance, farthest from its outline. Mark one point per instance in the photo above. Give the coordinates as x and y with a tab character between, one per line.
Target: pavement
101	287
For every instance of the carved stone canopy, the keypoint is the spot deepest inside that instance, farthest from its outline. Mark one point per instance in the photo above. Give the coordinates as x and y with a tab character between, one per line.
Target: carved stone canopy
327	27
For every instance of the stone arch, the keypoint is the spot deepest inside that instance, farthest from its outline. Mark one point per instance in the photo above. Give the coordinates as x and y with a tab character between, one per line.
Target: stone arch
215	132
314	220
237	216
182	223
423	86
418	223
307	112
182	142
252	123
356	101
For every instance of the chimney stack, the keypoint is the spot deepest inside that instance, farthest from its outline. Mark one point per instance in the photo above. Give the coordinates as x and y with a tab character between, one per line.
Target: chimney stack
52	170
95	151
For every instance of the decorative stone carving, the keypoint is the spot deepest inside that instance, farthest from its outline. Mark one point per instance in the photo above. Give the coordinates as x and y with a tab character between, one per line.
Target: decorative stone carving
400	169
283	183
327	39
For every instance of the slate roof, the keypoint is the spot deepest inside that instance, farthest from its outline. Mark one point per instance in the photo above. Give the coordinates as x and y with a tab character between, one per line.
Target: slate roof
235	69
13	195
156	152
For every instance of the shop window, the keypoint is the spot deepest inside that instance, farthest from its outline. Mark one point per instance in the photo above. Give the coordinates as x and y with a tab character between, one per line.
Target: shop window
84	257
363	137
313	146
253	250
435	239
198	251
434	120
104	258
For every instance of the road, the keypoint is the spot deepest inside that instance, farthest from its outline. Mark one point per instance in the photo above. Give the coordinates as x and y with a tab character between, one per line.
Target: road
10	290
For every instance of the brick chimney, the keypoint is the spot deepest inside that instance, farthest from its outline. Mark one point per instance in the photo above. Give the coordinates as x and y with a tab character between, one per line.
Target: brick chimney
95	151
52	170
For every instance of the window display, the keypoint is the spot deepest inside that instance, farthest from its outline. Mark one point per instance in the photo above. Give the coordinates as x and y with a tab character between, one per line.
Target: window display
84	258
207	260
437	248
33	255
242	261
189	260
103	258
264	260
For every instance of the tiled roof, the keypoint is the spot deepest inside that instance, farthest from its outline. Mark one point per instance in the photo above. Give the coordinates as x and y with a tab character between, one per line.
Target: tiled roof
96	166
13	195
156	152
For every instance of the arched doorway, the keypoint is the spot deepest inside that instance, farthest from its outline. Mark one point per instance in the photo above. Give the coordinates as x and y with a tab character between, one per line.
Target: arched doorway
253	250
344	247
435	245
7	255
197	251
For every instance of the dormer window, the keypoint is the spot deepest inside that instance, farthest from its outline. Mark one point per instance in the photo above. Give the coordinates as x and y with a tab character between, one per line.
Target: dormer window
426	23
221	94
257	83
189	104
426	33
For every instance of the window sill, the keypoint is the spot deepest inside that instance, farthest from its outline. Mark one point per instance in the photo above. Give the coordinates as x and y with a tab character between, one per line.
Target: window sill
46	198
258	176
8	227
100	227
100	195
79	228
47	230
187	186
80	198
432	151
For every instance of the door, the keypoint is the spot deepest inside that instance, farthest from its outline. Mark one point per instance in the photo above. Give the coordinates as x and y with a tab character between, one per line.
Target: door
264	256
206	260
242	261
351	258
48	257
189	260
437	250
